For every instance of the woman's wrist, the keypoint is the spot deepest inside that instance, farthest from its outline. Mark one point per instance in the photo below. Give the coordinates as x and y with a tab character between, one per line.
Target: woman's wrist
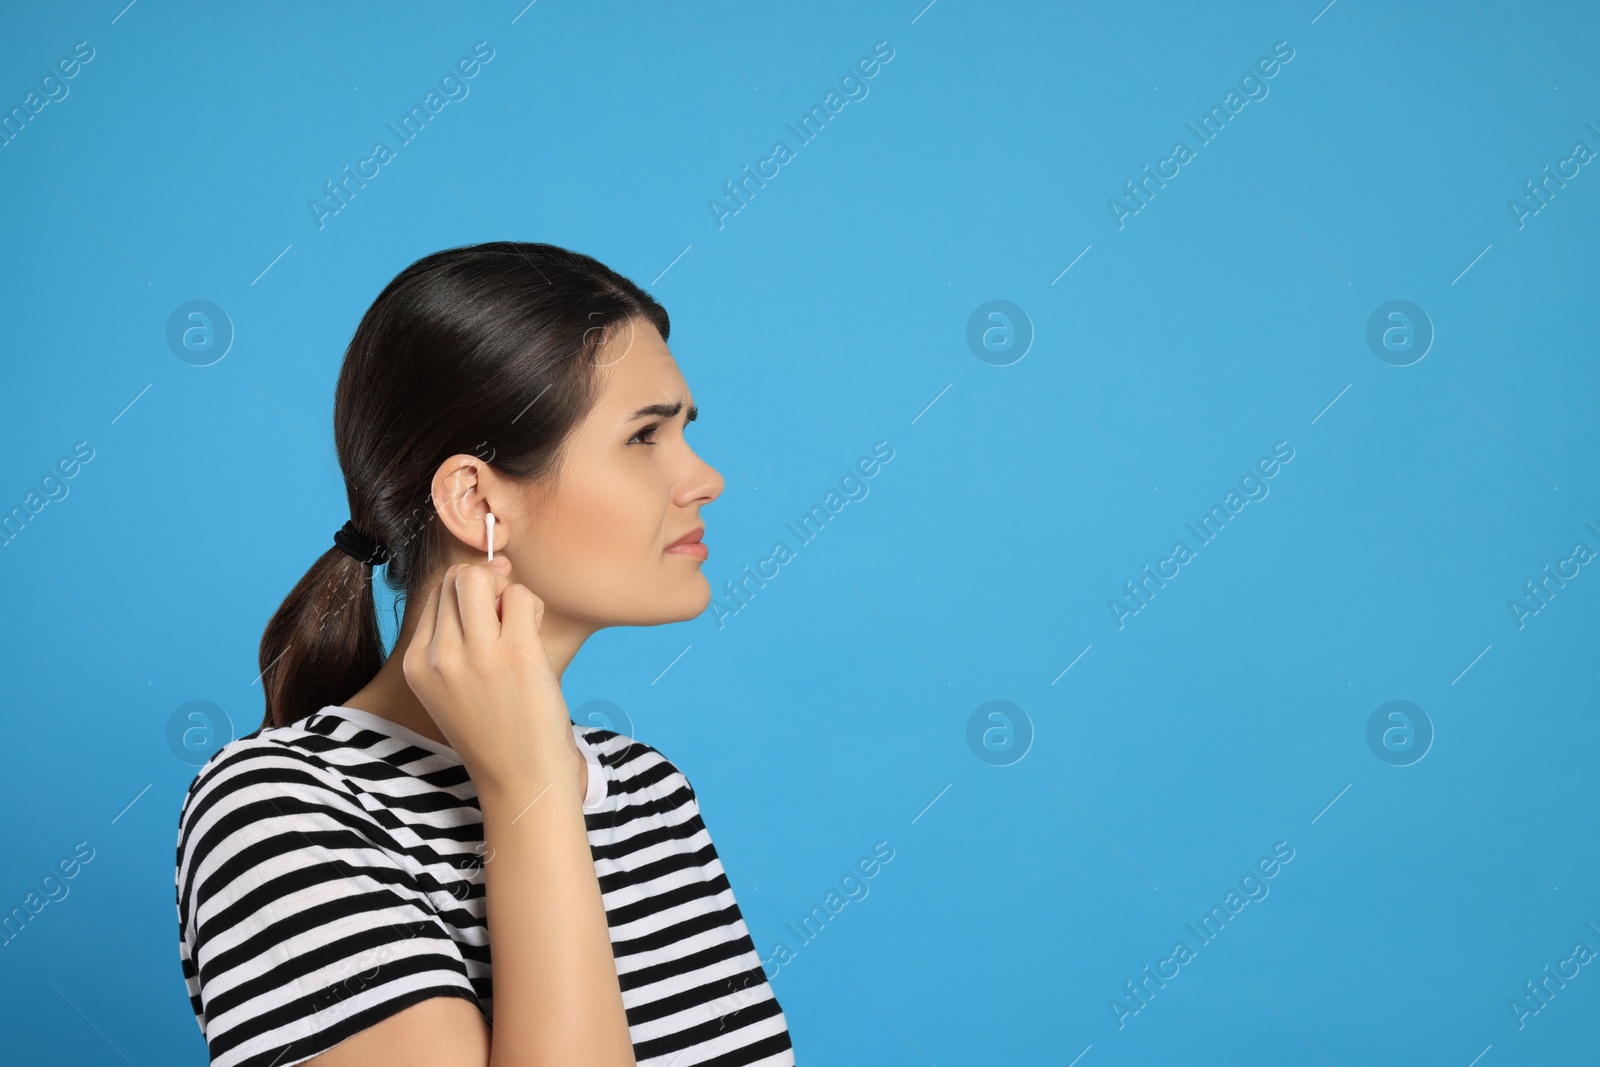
512	793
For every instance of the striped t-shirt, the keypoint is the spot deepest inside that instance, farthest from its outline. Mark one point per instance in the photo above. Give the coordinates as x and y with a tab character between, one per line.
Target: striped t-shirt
330	874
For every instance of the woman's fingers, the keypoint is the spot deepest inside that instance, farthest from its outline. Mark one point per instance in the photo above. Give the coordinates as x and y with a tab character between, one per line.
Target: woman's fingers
476	589
487	680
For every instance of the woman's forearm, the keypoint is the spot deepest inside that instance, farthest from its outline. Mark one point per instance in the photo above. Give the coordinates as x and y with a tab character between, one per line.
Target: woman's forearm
556	995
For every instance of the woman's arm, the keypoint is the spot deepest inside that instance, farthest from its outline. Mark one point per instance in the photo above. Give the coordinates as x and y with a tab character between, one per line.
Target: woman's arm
558	976
557	999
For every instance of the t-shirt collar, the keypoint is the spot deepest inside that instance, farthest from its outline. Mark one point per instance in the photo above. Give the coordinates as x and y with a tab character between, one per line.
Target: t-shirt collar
592	799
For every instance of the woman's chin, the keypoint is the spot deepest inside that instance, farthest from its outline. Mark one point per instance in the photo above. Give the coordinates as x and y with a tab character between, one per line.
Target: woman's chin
698	600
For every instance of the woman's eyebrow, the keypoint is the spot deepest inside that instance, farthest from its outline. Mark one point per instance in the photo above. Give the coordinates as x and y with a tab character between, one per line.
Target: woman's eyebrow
665	411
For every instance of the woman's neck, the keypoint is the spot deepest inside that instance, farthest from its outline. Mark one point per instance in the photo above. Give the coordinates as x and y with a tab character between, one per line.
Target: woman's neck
394	700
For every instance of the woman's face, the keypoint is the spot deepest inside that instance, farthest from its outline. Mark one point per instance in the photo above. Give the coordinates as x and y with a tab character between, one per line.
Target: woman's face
593	545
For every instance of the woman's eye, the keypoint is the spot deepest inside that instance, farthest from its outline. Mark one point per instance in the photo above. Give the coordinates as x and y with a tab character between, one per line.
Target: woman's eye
643	436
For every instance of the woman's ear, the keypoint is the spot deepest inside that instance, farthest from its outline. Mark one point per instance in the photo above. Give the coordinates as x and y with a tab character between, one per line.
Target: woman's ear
461	488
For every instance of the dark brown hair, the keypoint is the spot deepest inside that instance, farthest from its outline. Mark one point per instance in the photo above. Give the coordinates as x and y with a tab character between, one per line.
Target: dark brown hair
486	349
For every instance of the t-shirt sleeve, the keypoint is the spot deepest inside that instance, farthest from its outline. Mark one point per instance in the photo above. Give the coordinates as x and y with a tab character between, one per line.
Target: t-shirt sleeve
300	923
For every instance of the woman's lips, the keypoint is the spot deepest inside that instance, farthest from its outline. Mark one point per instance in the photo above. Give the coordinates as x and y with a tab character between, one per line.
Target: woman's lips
689	544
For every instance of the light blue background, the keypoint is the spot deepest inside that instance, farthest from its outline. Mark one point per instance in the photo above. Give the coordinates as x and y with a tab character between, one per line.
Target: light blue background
829	314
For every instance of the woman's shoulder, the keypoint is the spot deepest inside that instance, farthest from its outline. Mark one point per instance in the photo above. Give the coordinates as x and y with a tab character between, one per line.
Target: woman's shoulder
288	758
301	916
264	792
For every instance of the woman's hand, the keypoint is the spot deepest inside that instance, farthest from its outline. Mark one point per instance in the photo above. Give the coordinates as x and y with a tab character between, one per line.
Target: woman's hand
478	665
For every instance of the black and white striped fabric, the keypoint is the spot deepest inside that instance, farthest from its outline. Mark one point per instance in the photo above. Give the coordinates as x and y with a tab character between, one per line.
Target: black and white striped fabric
330	873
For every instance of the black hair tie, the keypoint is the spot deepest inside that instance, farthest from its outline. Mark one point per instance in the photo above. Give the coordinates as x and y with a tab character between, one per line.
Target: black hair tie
357	544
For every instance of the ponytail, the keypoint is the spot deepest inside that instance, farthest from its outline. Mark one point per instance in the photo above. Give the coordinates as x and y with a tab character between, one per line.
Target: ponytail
323	643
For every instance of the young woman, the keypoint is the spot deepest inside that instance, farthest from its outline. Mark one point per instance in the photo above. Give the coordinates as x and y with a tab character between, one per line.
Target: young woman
346	874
